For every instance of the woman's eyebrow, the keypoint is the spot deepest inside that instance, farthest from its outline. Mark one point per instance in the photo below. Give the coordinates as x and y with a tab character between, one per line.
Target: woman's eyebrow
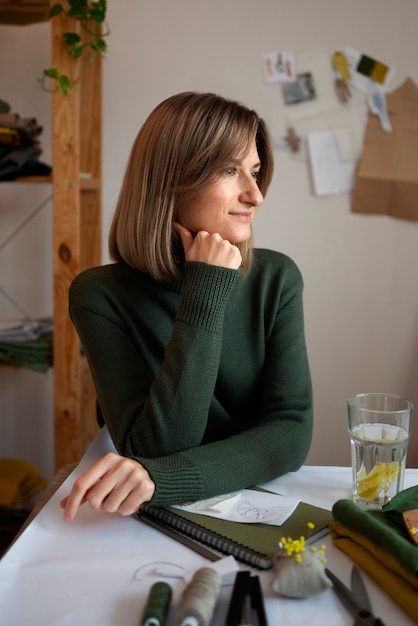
239	162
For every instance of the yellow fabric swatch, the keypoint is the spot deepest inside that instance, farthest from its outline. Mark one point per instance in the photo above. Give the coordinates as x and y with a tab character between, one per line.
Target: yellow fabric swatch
19	481
382	566
379	72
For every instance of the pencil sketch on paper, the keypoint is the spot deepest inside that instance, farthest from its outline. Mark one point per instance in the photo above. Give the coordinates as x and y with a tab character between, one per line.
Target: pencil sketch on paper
250	511
247	506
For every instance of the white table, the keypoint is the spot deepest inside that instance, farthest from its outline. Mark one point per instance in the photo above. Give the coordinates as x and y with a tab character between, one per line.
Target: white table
98	569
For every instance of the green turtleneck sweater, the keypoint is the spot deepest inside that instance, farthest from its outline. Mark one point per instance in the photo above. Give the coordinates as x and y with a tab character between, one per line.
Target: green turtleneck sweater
205	382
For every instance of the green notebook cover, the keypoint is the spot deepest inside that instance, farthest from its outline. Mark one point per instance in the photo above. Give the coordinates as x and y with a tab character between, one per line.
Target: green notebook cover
254	544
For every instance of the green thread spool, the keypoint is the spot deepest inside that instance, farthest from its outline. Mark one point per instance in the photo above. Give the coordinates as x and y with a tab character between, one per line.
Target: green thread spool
158	602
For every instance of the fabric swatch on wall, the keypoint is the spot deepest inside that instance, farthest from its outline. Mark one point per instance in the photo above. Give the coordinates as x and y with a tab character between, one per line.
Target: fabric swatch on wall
372	69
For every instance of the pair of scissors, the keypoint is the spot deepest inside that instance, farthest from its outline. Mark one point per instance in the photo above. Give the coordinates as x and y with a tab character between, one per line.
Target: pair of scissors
356	599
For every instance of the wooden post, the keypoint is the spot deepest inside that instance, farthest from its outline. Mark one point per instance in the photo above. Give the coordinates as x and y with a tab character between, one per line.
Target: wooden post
76	157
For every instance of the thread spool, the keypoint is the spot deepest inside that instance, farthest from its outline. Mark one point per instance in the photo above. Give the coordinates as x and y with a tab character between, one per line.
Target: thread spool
199	599
157	605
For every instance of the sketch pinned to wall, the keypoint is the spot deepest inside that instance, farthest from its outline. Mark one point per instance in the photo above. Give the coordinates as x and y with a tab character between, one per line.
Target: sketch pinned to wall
332	160
300	90
279	67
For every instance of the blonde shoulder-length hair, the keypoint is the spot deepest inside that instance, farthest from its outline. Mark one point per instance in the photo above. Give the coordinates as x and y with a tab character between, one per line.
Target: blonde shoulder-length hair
184	145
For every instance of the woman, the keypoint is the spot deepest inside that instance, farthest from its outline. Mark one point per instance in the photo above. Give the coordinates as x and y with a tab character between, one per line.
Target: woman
195	341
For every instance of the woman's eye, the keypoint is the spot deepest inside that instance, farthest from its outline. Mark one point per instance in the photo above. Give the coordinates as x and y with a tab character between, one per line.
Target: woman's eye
230	171
255	175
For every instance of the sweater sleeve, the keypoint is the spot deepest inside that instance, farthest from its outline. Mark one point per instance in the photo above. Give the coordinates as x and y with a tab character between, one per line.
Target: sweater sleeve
156	413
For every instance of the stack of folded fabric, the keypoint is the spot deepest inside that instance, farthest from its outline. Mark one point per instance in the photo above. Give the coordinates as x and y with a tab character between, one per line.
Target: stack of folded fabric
21	486
19	146
20	483
27	343
382	545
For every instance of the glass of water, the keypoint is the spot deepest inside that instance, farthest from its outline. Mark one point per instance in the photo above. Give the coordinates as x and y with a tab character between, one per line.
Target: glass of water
379	426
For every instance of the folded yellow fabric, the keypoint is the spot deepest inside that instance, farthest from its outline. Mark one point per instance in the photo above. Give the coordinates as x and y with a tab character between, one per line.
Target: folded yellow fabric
381	565
380	543
19	481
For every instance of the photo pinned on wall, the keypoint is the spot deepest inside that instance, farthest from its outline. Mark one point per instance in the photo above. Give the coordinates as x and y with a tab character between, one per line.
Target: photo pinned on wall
300	90
279	67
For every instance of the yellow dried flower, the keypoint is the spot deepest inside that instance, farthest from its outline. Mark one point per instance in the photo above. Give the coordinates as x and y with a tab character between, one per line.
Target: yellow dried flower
294	547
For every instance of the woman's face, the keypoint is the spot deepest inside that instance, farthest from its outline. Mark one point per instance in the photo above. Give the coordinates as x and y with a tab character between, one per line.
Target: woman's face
227	205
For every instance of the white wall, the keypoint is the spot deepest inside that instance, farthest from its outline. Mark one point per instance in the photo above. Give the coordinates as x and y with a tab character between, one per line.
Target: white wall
26	426
361	295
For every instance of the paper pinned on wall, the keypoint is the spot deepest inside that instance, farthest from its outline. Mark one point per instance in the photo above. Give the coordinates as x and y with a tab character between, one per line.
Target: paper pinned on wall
279	67
325	111
386	181
368	74
332	160
315	62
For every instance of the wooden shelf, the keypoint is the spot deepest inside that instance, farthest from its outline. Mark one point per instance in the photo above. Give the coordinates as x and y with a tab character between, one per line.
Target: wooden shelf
31	179
86	184
22	13
76	148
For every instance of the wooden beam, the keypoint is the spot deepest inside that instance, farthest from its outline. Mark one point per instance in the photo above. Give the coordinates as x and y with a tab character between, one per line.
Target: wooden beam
76	132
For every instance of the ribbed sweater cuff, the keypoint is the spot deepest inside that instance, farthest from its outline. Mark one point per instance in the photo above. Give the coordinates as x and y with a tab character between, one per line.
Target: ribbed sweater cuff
205	294
176	479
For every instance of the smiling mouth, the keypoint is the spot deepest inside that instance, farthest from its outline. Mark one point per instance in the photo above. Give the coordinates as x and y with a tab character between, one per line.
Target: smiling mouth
242	217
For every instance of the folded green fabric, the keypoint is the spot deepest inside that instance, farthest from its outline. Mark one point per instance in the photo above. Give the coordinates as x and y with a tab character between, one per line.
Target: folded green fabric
382	566
384	527
379	542
35	355
406	500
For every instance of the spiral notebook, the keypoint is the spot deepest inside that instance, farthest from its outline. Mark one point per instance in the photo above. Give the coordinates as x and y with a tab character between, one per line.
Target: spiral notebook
252	544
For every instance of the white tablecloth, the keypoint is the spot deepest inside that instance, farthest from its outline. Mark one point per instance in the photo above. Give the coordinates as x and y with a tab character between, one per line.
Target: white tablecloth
98	569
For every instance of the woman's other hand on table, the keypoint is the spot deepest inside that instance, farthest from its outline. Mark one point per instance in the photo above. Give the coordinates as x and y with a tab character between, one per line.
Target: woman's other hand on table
114	484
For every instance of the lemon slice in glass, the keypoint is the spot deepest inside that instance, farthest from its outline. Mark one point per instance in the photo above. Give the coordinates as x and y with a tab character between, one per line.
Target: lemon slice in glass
378	479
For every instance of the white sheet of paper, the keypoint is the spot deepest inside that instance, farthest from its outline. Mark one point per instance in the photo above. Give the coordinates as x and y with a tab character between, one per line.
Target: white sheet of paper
330	173
248	507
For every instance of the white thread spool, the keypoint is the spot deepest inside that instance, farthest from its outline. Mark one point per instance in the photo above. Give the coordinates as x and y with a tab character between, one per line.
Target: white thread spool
199	599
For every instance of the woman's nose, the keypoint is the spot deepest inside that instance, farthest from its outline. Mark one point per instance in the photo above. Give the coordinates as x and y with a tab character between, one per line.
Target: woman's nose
251	192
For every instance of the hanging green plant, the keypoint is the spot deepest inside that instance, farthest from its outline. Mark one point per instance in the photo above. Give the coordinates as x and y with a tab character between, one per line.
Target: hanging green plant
92	19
